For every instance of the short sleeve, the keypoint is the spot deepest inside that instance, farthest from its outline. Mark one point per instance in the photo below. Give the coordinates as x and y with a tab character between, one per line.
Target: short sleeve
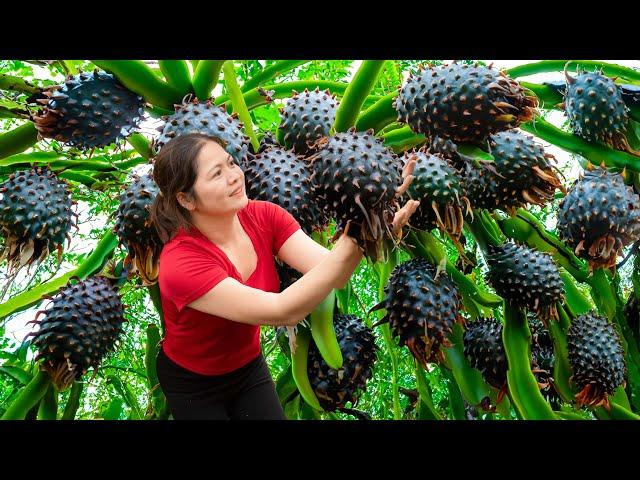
280	222
188	272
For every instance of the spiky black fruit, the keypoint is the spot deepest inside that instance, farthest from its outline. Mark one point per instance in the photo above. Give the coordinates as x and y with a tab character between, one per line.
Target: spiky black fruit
522	174
463	103
422	307
525	278
437	186
135	229
599	217
307	117
205	117
89	110
79	328
35	216
485	352
597	359
334	388
356	178
281	177
596	109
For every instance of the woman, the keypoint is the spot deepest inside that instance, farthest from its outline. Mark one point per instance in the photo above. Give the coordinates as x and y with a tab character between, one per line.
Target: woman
218	281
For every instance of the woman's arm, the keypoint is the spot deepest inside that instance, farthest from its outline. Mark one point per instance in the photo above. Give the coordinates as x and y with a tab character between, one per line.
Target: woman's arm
232	300
301	252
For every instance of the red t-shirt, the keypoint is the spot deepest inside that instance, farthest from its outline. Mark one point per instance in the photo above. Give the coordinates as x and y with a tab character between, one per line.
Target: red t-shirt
191	265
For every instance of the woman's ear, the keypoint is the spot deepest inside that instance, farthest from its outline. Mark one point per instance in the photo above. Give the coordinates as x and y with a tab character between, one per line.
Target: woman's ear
185	201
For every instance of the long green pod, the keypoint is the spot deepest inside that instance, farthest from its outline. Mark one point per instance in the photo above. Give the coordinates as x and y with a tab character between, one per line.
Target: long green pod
299	361
92	264
141	145
354	96
378	115
343	297
561	368
425	395
48	409
18	140
470	381
456	402
158	399
595	152
28	397
139	78
546	66
127	395
286	386
618	412
271	72
154	294
237	100
323	332
73	402
549	97
523	386
403	139
206	76
176	73
577	302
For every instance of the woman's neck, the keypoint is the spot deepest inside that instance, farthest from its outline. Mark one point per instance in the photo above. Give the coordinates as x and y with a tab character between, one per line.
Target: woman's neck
221	230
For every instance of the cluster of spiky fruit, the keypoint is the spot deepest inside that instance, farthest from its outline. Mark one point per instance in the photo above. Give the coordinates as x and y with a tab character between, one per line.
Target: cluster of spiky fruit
438	187
35	215
422	307
89	110
521	174
599	217
135	230
280	176
525	278
597	359
79	328
193	116
356	179
334	388
463	103
306	118
596	109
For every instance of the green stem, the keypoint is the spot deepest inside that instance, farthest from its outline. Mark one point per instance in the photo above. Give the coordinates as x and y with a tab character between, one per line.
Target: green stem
29	396
18	140
523	387
549	97
237	100
206	76
139	78
562	368
176	72
49	404
595	152
425	395
378	115
17	84
544	66
271	72
384	271
158	399
356	93
323	332
154	294
73	402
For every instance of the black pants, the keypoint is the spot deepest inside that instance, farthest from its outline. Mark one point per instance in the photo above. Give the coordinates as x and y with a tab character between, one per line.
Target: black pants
244	394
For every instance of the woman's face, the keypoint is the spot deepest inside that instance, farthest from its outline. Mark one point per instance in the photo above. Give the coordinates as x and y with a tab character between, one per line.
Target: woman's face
219	187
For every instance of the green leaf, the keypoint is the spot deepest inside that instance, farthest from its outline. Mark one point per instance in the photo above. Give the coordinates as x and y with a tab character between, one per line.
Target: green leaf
18	373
